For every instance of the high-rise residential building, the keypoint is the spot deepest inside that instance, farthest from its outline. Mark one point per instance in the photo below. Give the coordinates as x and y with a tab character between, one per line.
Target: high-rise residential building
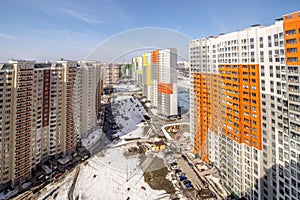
137	62
91	76
7	81
34	129
46	112
71	106
245	108
127	70
156	71
42	106
112	74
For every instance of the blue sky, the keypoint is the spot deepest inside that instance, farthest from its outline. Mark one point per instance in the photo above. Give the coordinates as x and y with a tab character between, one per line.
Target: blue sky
49	30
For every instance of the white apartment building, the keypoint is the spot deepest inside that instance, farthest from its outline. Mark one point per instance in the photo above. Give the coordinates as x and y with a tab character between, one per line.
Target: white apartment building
89	109
156	71
244	107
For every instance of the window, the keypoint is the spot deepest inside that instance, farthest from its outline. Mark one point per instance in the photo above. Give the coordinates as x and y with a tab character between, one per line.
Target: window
292	59
291	41
269	41
290	32
291	50
280	35
261	56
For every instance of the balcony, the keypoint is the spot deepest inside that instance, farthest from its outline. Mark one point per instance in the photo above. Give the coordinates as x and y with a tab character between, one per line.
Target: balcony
293	79
293	71
294	98
295	127
295	118
295	108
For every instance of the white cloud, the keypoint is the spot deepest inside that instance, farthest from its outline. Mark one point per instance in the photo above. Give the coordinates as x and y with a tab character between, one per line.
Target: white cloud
5	36
81	17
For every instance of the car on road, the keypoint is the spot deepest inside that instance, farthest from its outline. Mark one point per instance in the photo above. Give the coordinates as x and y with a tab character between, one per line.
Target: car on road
182	178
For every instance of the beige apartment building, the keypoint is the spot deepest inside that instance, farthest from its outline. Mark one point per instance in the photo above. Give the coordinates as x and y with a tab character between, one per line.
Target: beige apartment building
91	96
43	113
112	74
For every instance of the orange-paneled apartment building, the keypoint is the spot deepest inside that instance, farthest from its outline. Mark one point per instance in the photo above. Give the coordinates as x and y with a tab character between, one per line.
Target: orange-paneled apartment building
156	72
245	107
45	108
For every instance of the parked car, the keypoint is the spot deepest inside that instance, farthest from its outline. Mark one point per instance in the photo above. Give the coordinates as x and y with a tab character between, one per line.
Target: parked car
40	176
174	167
173	163
115	127
56	176
182	178
190	164
177	170
179	174
184	157
186	182
114	131
189	186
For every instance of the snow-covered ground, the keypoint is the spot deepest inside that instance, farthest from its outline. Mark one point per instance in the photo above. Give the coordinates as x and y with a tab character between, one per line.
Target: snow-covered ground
127	88
128	113
92	139
110	174
113	176
215	182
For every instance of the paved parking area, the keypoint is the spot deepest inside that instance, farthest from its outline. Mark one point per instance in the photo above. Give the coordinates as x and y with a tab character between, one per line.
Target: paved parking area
190	174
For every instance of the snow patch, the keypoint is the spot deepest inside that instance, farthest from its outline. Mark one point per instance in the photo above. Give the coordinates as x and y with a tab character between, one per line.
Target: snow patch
91	139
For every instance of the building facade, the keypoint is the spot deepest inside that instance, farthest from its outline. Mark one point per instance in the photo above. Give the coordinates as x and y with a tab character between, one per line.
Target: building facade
156	72
112	74
41	113
91	96
244	107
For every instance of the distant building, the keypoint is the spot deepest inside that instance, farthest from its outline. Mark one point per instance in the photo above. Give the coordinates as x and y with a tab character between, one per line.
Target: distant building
156	72
111	74
183	65
137	65
127	70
